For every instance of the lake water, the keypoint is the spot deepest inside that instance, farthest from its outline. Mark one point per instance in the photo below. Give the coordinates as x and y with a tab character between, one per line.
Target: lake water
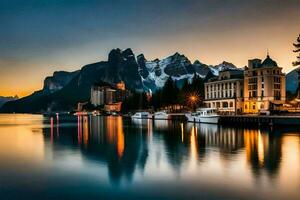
115	158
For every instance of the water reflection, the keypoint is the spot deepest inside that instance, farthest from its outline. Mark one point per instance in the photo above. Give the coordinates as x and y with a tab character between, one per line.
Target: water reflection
124	146
263	150
117	153
104	139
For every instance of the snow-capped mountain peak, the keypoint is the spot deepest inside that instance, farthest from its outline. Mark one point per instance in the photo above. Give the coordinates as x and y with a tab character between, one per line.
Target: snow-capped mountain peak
155	73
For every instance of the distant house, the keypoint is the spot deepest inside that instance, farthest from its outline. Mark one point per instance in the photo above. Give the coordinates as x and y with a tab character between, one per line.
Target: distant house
109	96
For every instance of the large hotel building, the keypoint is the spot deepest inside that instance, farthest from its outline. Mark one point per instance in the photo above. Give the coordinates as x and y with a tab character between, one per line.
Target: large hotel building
225	92
257	89
264	86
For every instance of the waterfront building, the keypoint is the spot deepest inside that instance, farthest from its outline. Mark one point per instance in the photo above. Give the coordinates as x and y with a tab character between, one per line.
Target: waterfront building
264	86
109	96
113	107
225	92
100	95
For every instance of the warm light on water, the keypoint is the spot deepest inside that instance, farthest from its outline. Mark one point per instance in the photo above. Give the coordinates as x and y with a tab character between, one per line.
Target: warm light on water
111	157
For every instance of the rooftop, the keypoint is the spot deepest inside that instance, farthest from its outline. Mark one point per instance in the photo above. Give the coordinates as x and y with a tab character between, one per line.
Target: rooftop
268	62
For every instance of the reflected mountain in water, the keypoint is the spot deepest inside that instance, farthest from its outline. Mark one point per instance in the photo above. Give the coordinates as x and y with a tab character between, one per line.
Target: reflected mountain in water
110	157
123	145
109	141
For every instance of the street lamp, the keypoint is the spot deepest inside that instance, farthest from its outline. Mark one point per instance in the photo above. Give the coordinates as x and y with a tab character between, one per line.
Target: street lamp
193	100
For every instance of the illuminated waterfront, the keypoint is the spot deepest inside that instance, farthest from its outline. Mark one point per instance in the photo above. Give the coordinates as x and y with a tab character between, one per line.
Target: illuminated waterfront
112	157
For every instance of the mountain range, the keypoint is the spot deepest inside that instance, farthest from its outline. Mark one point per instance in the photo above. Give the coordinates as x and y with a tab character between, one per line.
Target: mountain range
292	81
3	100
63	90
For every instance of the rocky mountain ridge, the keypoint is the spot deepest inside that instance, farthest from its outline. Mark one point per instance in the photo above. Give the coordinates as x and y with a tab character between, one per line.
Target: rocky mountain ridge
3	100
63	90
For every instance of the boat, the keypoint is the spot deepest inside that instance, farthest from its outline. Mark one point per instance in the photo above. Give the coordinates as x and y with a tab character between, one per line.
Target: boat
161	115
140	115
96	113
204	115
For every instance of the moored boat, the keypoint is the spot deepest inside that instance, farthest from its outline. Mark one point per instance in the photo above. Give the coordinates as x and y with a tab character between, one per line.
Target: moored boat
161	115
140	115
204	115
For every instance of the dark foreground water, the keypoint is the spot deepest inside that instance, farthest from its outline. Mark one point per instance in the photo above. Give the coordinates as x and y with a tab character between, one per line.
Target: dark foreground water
115	158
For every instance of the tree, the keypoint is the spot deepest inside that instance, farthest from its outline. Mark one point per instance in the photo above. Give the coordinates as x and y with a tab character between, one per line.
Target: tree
156	99
297	63
137	101
170	92
297	50
184	92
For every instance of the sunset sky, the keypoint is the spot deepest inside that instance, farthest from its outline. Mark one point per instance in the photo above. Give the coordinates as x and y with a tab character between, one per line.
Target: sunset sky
38	37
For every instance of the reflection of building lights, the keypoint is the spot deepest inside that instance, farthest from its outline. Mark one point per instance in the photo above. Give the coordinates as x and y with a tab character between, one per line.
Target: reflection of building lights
194	145
115	134
260	148
85	130
182	136
79	134
150	131
255	145
120	137
51	131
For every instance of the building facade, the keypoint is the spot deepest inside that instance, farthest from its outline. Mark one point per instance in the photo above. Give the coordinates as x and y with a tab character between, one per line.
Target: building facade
264	86
108	96
101	95
226	92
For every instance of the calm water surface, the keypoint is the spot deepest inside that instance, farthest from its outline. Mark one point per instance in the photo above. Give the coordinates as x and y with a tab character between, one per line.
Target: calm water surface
115	158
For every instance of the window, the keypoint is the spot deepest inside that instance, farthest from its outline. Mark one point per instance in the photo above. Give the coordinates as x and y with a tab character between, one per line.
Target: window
262	93
225	104
277	79
262	79
277	95
231	104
